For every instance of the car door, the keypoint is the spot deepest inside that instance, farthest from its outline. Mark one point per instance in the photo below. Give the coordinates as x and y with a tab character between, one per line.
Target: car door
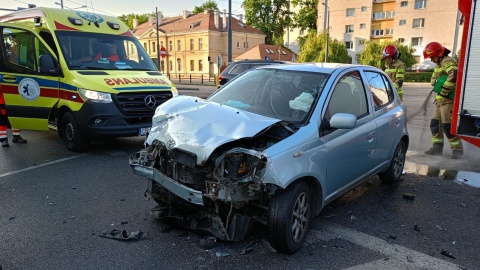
387	115
29	89
349	151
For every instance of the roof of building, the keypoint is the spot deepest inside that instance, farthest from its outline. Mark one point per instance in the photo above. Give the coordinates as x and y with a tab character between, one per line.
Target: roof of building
193	23
273	52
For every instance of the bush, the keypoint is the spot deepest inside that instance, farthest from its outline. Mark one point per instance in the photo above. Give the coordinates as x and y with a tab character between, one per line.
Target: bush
422	76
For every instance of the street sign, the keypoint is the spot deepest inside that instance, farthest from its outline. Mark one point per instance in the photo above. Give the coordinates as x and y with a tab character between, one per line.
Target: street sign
219	61
163	52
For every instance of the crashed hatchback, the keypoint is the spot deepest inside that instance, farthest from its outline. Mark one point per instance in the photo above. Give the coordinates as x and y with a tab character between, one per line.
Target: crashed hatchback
273	146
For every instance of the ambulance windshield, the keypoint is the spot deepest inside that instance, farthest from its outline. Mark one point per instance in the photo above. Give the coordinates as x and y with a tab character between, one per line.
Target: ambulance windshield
84	50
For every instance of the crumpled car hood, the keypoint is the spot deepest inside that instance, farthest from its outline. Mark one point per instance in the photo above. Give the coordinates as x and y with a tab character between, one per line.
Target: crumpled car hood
199	126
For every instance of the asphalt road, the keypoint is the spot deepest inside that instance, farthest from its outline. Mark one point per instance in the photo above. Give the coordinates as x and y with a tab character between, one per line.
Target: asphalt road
55	204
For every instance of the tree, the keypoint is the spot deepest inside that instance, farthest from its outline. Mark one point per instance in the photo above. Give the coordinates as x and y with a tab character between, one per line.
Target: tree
371	54
210	4
269	16
306	17
128	19
313	49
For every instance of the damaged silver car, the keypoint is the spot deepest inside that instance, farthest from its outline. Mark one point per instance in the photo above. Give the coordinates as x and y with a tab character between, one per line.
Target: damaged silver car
273	146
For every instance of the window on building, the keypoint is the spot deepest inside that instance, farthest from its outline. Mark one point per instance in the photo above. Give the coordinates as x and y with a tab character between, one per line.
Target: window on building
378	32
200	65
154	47
179	45
179	61
145	46
247	44
420	4
350	12
418	23
171	65
390	14
401	40
363	26
191	44
192	65
389	31
402	22
416	41
132	48
302	32
349	44
161	44
349	28
417	59
404	4
238	44
363	9
170	45
200	44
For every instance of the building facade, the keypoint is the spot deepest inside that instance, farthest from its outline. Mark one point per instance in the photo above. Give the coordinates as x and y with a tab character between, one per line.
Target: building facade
194	42
411	22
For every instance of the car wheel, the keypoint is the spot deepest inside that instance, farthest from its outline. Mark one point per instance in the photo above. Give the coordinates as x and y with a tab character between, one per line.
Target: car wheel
395	170
72	138
289	218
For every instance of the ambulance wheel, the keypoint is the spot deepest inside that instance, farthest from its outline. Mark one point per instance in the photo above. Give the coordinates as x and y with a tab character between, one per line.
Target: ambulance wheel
72	137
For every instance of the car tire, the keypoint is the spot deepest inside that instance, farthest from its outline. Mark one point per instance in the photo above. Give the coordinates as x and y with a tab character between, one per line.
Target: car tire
395	170
289	217
71	135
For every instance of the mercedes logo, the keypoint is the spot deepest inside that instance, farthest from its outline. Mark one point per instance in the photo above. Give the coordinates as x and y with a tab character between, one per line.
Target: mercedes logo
150	101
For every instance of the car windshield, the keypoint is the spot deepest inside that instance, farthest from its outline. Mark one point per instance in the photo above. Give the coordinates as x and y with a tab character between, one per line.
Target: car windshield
283	94
83	50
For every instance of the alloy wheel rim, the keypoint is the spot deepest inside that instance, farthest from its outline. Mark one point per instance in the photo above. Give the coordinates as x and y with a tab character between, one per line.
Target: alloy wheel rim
301	212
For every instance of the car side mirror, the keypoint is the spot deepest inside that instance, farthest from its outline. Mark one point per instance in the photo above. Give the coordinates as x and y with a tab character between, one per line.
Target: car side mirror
46	64
343	121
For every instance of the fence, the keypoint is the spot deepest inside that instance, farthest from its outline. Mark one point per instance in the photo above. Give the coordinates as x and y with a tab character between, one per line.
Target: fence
192	78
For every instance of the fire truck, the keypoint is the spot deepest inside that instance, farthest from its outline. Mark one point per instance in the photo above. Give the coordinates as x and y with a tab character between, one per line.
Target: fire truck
466	111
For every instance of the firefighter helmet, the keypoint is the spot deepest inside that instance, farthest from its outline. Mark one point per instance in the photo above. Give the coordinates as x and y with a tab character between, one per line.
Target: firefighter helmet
433	49
390	50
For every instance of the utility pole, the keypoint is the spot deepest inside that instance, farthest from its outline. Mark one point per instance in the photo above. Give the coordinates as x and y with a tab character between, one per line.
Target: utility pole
229	31
158	43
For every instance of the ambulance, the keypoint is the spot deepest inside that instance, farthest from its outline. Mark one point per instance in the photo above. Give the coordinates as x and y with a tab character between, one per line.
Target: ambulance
80	73
466	111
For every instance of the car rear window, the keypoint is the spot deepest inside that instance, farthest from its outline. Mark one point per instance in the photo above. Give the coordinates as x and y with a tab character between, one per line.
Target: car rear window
239	68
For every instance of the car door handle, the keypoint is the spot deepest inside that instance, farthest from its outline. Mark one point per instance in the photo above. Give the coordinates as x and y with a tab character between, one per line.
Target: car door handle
9	78
370	136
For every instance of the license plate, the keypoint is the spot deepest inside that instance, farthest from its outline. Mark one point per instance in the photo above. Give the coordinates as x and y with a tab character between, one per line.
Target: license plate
143	131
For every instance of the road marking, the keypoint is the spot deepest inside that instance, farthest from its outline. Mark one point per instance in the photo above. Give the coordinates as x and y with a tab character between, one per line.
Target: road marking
41	165
399	253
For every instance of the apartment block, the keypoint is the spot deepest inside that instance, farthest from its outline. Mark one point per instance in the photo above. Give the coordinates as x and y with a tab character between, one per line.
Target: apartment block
411	22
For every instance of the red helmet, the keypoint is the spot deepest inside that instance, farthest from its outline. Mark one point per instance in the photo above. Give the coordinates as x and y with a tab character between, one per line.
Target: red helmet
433	49
390	50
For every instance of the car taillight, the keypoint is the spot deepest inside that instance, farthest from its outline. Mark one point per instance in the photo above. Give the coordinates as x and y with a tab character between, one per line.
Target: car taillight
220	78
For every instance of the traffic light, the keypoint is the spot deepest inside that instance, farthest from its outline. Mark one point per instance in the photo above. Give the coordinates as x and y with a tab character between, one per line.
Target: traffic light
209	58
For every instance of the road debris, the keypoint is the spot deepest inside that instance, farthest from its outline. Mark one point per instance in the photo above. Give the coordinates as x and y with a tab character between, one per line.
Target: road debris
221	251
439	227
249	247
448	254
208	242
408	196
123	235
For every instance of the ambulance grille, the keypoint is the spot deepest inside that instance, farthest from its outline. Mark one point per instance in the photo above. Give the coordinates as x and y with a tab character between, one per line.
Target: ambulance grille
134	103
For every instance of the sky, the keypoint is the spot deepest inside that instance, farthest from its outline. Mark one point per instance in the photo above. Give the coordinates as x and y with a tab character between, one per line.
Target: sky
120	7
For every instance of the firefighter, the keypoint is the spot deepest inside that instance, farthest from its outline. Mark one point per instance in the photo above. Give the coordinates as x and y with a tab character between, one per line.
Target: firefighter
4	125
442	116
394	68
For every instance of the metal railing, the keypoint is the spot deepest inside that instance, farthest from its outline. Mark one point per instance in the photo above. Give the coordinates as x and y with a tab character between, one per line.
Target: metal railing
192	78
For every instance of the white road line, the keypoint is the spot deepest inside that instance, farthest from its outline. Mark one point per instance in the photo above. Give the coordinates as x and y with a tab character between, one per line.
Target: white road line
404	255
384	264
40	165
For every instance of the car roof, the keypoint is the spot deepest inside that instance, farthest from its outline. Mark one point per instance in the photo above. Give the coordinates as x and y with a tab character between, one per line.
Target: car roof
328	68
258	61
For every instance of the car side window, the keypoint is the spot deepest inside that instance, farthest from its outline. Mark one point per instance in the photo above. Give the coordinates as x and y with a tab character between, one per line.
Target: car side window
348	97
239	68
382	91
23	48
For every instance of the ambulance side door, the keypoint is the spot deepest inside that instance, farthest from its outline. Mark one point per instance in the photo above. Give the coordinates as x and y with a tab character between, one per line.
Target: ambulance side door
29	77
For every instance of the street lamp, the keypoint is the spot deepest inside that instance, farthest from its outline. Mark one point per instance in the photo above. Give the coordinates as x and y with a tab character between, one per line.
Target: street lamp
326	25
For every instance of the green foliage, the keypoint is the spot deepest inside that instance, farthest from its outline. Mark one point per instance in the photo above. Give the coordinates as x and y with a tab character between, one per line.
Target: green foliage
210	4
269	16
306	17
371	55
314	47
423	76
128	18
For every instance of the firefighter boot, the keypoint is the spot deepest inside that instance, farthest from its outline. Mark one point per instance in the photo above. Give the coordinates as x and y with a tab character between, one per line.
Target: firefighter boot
4	142
435	150
456	154
18	139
